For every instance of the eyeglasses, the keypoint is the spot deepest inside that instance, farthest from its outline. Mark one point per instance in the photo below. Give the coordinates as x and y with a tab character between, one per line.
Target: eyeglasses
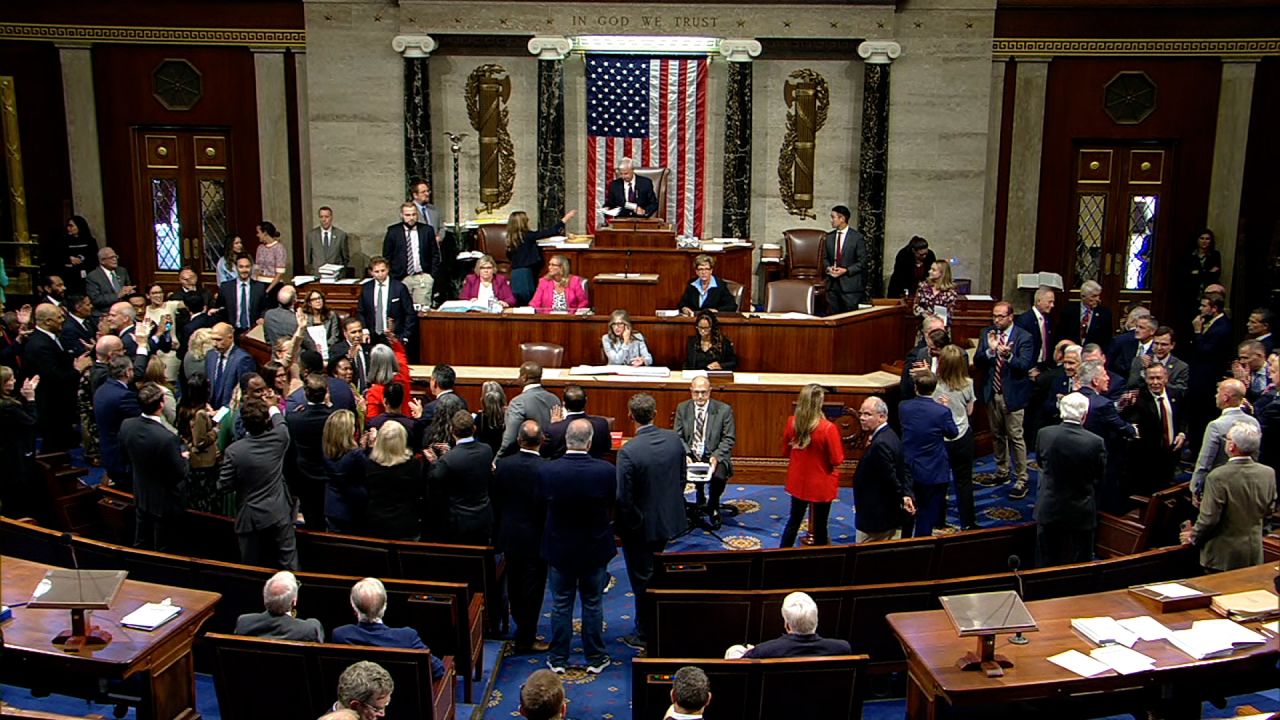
705	328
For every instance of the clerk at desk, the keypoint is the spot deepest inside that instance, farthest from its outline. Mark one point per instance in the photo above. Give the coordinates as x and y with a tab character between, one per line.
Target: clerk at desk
632	194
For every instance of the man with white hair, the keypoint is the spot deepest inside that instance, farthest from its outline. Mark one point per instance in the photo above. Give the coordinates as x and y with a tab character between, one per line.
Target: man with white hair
1125	350
1073	462
108	282
1213	448
369	601
1238	497
800	633
631	194
1087	320
280	598
1104	420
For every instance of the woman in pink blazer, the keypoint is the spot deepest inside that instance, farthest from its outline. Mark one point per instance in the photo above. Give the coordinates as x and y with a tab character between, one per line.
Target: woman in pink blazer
486	278
559	290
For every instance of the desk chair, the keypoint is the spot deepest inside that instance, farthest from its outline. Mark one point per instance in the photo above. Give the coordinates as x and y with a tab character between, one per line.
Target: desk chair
790	296
660	176
493	242
548	355
736	289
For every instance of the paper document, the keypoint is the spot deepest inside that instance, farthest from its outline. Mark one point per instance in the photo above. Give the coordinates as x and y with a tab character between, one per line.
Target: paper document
1078	663
1272	628
300	280
1145	627
1173	590
151	615
1122	659
1103	631
320	337
611	212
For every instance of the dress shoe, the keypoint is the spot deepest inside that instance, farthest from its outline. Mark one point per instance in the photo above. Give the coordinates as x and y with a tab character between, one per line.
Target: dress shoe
634	642
1018	491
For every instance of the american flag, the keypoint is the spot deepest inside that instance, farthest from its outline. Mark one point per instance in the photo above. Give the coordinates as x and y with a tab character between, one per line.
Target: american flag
654	111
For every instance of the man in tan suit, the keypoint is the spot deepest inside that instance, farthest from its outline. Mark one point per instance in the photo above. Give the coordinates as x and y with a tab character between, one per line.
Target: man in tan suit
1238	497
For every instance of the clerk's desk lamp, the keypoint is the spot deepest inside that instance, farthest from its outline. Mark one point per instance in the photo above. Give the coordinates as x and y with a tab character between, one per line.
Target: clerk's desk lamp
78	590
986	615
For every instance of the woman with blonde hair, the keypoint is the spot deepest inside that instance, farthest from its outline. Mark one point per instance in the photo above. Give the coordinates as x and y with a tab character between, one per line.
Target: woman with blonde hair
485	284
622	344
395	487
955	384
198	345
812	445
491	421
936	295
157	373
524	254
560	290
344	464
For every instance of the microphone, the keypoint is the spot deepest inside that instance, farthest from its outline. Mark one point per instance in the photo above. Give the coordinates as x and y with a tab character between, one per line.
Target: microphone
67	539
1015	563
626	268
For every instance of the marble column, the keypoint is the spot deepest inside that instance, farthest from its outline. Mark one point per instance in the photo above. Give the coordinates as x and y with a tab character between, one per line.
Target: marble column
551	52
1026	142
736	214
873	161
273	137
985	282
81	114
1235	101
416	50
304	136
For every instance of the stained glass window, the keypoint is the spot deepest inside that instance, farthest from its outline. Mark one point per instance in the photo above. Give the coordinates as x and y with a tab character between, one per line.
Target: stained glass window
1141	239
1091	219
213	221
164	219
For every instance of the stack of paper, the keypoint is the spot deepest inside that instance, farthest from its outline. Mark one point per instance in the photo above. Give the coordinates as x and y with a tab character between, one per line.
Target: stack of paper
1146	628
151	616
1122	659
1078	663
1213	638
331	272
1248	606
1104	631
1272	628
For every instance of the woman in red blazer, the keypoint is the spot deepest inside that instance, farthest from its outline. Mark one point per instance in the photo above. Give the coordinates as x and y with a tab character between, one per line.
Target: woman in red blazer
386	365
486	278
559	290
812	443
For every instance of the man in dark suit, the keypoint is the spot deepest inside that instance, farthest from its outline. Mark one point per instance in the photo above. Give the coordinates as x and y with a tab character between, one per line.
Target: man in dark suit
45	356
1127	348
305	470
79	332
1072	464
108	283
326	244
651	479
159	463
926	425
1211	352
1104	421
189	286
1258	327
113	403
533	403
1036	321
355	345
198	318
800	636
280	598
369	601
243	300
577	544
1088	320
844	255
923	358
706	428
254	466
1157	415
575	406
632	194
411	249
458	485
1005	353
1162	344
1239	496
881	491
340	396
443	378
225	364
910	267
521	513
386	307
1115	383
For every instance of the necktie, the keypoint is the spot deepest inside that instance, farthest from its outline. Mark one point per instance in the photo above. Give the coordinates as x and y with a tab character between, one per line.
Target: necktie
1166	427
326	239
1044	339
111	277
1084	323
998	381
839	245
379	308
414	267
631	192
699	423
243	321
222	366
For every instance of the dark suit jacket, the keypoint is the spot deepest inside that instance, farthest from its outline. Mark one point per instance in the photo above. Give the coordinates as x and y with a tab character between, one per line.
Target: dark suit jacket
458	485
228	297
721	433
903	280
1120	353
1104	420
159	470
56	393
651	479
395	248
113	403
1211	355
305	469
601	442
223	386
281	627
98	287
718	298
925	424
1072	464
155	342
1028	321
797	645
399	309
254	466
907	386
879	484
853	258
429	410
73	331
520	512
615	196
379	635
361	379
1017	387
1100	326
1150	454
344	491
340	397
202	321
579	491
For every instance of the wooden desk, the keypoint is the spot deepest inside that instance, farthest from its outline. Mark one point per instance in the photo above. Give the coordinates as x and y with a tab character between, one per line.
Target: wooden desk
936	684
341	298
853	343
633	291
633	233
760	407
673	265
162	659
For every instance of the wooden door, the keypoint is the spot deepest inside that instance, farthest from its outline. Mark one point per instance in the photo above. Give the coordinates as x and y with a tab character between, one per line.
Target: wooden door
1120	203
183	198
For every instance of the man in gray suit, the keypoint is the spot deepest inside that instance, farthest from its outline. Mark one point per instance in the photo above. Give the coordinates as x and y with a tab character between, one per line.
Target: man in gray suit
108	282
1213	449
280	597
254	466
533	403
705	427
650	511
327	244
1161	353
427	213
844	255
1238	498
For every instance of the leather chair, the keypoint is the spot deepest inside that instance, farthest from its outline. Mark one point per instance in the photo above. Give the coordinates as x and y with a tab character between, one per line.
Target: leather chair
661	177
790	296
493	242
804	253
548	355
736	289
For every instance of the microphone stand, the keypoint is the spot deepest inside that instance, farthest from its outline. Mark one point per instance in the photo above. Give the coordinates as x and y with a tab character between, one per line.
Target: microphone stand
1014	563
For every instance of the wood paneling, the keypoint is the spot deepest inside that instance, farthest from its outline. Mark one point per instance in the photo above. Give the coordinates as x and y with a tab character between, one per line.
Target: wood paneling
257	14
674	268
1136	19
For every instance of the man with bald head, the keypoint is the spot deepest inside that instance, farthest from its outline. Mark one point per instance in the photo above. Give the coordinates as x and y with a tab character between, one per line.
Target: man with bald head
705	426
107	347
59	377
224	365
1213	448
533	403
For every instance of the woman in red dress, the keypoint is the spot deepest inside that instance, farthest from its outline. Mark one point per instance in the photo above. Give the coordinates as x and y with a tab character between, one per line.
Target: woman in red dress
812	444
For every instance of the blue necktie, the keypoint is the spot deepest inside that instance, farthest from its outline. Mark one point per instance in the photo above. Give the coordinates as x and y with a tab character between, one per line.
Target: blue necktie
244	305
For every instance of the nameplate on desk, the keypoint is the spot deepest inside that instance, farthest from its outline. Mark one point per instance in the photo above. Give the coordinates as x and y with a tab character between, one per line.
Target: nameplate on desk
640	278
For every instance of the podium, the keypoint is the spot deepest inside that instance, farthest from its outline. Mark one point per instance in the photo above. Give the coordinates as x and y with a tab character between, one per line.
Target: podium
635	292
984	615
635	233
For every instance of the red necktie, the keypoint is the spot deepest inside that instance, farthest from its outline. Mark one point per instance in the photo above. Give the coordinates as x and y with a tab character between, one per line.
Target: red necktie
1165	425
1084	324
1044	339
